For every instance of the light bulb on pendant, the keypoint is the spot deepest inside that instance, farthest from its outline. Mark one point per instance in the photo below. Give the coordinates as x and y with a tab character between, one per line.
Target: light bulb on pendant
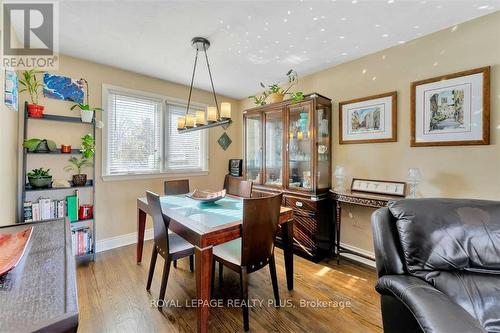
225	110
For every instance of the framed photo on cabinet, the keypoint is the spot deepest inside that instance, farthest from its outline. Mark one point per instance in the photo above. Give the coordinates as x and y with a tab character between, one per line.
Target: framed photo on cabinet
369	119
451	110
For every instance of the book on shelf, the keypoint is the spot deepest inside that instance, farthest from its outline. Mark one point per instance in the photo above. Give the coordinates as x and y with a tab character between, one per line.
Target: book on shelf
44	209
81	241
72	201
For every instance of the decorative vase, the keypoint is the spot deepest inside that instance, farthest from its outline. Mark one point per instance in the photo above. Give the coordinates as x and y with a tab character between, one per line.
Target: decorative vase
303	121
65	149
79	180
87	115
276	97
40	182
35	110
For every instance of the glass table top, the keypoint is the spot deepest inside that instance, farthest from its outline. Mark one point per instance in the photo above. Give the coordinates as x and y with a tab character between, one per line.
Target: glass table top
208	215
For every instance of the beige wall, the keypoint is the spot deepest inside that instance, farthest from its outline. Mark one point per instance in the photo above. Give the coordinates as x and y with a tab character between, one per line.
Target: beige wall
116	200
8	159
468	172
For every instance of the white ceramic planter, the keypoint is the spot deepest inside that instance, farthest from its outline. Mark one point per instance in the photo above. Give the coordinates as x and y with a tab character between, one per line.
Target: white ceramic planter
87	116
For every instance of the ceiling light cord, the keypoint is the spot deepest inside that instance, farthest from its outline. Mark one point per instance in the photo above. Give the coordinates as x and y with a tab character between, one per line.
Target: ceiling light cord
192	81
211	80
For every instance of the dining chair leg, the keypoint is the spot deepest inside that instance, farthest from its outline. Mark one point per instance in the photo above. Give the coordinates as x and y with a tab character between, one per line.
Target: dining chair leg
164	279
152	265
191	263
221	271
274	279
212	279
175	263
244	296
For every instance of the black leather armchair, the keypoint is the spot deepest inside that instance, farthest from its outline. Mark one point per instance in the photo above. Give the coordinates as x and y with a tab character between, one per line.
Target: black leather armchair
438	262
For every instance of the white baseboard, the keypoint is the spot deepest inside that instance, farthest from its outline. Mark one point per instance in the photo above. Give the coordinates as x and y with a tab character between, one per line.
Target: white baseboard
357	258
118	241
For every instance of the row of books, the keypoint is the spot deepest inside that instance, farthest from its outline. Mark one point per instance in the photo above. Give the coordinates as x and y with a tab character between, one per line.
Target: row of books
81	241
44	209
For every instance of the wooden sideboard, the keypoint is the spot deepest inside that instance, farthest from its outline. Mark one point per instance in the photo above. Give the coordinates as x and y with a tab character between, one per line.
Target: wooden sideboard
358	199
288	150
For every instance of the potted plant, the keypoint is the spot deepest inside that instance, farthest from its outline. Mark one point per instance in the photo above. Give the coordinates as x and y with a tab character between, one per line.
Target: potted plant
32	85
39	178
39	145
277	93
87	148
86	111
77	165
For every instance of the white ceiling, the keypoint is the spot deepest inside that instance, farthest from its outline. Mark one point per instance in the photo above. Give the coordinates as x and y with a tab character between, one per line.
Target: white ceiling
252	41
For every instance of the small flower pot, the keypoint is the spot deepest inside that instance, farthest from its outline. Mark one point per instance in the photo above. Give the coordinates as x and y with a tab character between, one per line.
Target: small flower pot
35	110
40	182
66	149
87	115
79	180
276	97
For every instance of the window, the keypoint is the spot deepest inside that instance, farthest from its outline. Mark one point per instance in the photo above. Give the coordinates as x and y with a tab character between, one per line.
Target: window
183	151
140	136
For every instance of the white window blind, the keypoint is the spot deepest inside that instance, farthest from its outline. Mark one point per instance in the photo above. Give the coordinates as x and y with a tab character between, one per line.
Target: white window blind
186	151
134	139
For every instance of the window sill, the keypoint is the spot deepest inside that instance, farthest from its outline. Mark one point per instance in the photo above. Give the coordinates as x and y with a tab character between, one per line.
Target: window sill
112	178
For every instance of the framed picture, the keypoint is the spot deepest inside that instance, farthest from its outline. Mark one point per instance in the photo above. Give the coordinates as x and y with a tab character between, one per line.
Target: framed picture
369	119
384	187
451	110
11	93
62	88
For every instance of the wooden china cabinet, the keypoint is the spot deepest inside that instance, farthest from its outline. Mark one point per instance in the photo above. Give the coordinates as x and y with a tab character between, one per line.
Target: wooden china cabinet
288	150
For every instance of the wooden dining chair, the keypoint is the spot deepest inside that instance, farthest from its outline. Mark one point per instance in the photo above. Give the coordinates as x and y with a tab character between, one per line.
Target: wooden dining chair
255	249
169	245
237	186
175	187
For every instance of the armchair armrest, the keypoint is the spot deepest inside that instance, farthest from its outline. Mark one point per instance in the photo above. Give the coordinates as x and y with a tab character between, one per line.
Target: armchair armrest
433	310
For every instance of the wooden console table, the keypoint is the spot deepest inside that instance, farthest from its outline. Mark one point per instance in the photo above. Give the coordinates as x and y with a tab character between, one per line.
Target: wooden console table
359	199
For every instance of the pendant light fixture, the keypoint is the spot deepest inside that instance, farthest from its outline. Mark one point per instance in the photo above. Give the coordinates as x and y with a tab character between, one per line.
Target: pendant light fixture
214	116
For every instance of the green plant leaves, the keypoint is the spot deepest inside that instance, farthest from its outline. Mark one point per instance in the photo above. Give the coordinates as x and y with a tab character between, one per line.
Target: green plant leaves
39	173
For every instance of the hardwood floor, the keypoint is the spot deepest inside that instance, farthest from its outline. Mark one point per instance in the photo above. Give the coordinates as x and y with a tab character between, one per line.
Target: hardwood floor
112	297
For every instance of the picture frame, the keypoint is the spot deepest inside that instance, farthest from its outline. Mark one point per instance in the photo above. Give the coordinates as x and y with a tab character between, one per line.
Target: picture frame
451	109
62	88
382	187
369	119
11	89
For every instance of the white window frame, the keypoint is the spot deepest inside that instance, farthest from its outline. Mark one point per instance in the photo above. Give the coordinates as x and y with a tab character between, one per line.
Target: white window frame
164	119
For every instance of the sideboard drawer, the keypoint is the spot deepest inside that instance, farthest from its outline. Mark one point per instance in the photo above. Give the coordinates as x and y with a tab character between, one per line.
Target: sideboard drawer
301	204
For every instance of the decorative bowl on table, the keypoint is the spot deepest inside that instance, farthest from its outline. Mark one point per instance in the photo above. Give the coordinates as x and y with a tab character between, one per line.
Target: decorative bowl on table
205	196
12	247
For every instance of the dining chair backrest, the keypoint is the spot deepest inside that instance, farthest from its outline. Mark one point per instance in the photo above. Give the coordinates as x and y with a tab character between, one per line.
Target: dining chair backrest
237	186
160	225
173	187
259	227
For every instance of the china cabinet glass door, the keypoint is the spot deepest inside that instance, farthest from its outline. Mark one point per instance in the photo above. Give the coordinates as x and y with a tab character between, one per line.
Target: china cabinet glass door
323	145
300	147
273	136
253	152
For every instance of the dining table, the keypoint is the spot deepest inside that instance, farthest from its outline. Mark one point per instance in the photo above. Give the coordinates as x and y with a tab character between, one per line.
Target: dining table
206	225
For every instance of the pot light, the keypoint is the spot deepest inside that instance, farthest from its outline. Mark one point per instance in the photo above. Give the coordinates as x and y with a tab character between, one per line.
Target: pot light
401	42
315	18
416	27
363	71
354	2
385	35
343	19
344	53
341	37
390	1
285	20
482	7
322	29
289	12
